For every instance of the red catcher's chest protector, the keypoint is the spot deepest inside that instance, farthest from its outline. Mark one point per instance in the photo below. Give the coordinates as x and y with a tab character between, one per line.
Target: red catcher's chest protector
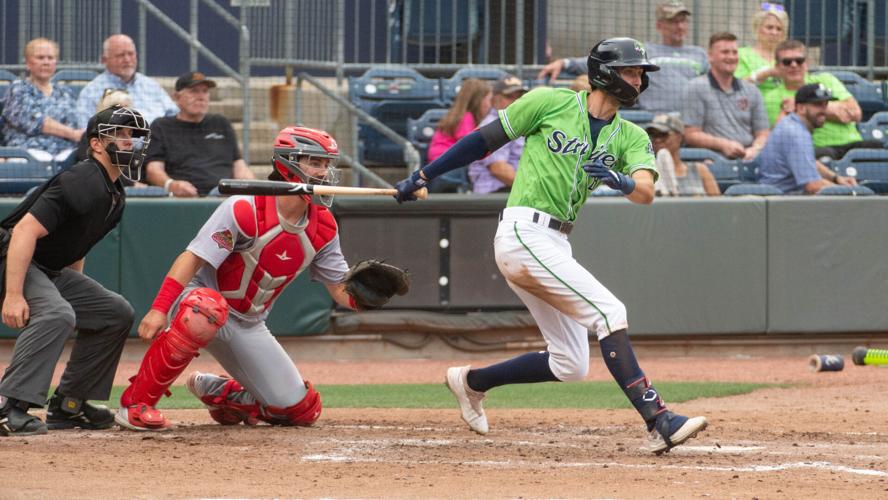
250	279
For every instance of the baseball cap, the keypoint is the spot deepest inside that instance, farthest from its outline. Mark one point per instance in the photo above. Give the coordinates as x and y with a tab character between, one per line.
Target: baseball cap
666	123
813	92
193	78
509	84
668	10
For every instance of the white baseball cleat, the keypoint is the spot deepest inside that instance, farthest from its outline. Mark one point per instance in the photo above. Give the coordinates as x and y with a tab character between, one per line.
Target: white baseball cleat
469	400
678	428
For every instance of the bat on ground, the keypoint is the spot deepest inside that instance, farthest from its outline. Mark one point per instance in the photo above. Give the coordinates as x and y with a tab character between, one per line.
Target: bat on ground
865	356
280	188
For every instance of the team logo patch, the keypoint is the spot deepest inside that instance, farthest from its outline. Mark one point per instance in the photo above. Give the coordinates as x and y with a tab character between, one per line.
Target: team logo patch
743	103
639	50
224	239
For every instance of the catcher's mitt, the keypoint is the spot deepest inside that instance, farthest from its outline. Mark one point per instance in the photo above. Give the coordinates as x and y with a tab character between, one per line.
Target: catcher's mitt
371	283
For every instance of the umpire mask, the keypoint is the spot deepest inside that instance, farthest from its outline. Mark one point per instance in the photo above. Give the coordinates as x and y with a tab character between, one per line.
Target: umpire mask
126	135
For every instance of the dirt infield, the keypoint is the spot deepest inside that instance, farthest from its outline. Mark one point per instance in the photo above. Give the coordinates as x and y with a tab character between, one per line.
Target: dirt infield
825	436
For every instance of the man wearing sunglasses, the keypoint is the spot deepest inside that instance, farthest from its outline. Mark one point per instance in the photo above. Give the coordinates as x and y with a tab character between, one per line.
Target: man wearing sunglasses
839	133
787	161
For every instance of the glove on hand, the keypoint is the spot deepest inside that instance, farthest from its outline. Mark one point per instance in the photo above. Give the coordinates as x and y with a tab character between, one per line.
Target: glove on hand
408	186
371	283
611	178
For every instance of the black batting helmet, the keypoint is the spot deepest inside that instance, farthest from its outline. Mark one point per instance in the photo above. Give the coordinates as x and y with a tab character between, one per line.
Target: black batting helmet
617	53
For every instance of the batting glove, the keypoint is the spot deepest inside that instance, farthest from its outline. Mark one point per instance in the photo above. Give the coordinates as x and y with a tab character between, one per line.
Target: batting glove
408	186
611	178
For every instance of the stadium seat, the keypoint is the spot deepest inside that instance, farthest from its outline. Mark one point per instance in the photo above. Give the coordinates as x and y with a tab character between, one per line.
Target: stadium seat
433	28
838	190
726	172
450	86
6	78
145	192
637	116
868	166
75	78
875	128
419	133
391	94
868	94
21	171
752	190
603	191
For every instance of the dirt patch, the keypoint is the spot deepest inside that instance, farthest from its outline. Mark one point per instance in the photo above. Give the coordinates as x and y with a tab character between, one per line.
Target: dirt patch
825	435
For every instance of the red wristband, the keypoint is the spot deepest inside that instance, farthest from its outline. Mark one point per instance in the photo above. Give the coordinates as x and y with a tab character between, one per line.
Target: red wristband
352	303
167	294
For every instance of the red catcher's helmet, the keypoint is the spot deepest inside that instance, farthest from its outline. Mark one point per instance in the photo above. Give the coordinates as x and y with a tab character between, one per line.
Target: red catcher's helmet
295	145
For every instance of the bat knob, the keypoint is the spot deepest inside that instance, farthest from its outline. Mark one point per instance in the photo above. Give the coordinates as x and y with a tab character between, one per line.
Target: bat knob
421	194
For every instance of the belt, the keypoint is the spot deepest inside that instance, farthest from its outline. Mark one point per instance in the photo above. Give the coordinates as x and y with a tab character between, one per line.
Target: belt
553	223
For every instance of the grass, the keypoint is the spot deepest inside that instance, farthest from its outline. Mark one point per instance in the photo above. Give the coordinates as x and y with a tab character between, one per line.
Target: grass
579	395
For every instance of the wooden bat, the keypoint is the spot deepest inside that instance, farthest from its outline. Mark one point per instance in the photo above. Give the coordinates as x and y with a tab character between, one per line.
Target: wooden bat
280	188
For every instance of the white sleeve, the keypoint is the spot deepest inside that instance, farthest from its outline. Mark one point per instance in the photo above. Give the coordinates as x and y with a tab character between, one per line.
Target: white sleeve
219	235
329	265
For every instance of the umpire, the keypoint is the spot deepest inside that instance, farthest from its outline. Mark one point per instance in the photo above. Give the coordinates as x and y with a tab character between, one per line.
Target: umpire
47	295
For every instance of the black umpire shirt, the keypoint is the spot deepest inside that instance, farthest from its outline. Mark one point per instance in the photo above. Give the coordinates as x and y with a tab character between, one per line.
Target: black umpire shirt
78	207
200	153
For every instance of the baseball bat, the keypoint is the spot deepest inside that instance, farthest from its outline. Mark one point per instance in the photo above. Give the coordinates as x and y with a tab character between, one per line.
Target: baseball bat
864	356
281	188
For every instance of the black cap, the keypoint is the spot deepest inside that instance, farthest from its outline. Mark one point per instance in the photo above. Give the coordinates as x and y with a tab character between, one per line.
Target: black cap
813	92
193	78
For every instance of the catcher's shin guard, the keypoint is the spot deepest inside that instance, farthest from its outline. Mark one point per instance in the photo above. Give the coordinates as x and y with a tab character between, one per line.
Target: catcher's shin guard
226	400
201	313
303	413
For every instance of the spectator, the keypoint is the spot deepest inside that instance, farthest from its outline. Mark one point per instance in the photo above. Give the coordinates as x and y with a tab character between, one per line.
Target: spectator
723	113
110	98
38	115
676	177
119	58
756	65
678	63
471	105
839	133
496	172
190	152
788	161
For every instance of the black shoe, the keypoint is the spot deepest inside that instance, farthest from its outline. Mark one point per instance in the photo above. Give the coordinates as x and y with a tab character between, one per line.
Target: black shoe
16	421
68	413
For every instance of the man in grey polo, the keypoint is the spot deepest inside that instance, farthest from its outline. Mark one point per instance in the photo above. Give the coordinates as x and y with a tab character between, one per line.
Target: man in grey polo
723	113
678	63
787	161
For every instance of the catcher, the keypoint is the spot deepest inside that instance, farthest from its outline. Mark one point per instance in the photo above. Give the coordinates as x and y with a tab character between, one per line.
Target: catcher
219	291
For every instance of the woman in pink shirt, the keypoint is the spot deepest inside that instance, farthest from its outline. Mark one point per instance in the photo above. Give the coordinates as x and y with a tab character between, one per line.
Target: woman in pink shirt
471	105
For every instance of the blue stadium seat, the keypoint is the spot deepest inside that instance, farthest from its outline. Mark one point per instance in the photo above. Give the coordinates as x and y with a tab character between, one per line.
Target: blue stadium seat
868	166
603	191
145	192
391	94
752	189
700	154
726	172
450	86
638	116
875	128
419	133
436	28
21	171
837	190
6	78
75	78
868	94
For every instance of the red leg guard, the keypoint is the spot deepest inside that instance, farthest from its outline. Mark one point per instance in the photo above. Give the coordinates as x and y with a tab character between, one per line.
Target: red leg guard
304	413
201	313
228	412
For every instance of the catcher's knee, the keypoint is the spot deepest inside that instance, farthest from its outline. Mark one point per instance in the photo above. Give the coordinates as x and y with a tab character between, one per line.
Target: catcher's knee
201	313
568	368
303	413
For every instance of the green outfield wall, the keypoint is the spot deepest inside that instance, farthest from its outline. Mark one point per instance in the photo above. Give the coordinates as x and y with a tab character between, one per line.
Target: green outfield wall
682	266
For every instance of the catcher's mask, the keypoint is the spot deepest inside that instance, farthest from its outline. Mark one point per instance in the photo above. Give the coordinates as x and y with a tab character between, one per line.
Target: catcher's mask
307	155
126	136
605	60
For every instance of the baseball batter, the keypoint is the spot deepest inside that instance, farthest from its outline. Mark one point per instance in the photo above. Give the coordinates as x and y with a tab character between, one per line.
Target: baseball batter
221	289
575	142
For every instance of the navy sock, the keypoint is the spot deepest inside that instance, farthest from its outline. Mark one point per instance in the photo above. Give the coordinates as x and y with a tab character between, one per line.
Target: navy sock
525	369
616	349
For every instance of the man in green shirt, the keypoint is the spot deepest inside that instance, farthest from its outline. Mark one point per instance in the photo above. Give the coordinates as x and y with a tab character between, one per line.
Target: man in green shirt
575	142
839	133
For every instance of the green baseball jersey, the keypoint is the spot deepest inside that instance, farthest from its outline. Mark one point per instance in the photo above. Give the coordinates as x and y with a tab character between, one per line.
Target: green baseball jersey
555	124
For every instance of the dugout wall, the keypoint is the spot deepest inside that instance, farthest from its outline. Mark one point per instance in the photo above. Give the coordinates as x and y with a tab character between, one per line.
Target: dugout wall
750	265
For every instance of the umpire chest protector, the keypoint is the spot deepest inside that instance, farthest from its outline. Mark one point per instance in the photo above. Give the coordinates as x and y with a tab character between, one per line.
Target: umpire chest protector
250	279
